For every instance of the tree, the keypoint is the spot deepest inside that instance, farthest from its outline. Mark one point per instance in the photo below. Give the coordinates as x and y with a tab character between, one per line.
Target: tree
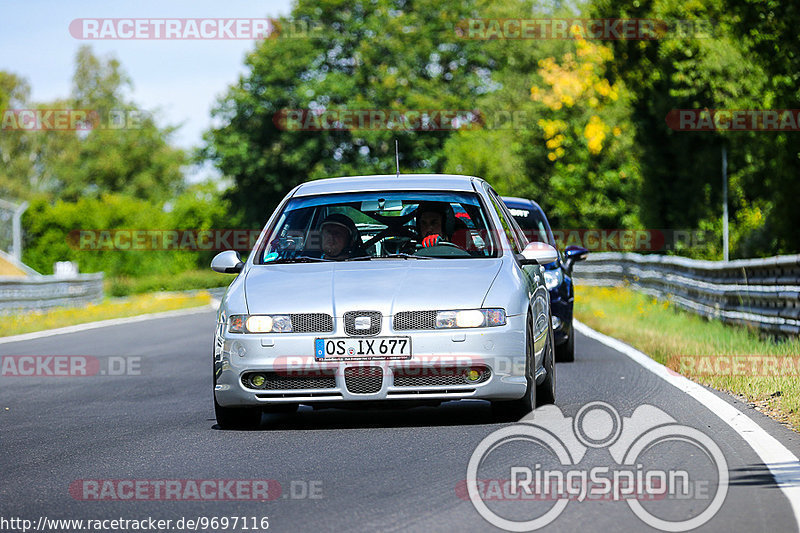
125	152
570	147
15	145
364	55
749	60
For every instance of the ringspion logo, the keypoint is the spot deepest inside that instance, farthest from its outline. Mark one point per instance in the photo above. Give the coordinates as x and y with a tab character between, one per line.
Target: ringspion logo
542	466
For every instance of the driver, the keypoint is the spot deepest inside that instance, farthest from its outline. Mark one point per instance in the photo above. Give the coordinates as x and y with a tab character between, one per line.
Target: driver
431	223
340	237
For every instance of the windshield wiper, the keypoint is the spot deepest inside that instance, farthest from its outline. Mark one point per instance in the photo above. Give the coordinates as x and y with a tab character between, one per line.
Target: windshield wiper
359	258
300	259
406	256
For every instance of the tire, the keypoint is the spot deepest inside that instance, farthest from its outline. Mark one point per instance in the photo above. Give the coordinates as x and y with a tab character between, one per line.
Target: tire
515	409
237	417
546	392
565	353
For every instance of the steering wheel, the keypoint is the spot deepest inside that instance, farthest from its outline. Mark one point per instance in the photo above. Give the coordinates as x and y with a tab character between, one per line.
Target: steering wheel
448	243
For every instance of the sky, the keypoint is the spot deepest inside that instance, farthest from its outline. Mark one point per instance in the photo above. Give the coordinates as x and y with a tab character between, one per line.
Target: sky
178	79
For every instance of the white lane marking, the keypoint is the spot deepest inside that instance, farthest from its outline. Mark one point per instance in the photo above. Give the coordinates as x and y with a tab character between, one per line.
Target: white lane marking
214	305
782	463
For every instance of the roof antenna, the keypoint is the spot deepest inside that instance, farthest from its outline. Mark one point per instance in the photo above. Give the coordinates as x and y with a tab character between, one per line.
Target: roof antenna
397	157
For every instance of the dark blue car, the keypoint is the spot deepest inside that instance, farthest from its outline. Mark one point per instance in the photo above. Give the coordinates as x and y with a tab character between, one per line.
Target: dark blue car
558	275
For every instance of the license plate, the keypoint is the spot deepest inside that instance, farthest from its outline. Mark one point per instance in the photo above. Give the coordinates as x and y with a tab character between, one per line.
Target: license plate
363	349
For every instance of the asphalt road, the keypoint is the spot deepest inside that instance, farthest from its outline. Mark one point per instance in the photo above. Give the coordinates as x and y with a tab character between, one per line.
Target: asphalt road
394	470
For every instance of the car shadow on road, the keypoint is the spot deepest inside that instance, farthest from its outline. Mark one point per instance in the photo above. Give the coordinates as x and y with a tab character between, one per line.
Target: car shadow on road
454	413
758	475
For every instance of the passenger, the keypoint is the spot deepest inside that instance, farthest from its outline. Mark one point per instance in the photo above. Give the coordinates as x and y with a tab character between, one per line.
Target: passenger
340	238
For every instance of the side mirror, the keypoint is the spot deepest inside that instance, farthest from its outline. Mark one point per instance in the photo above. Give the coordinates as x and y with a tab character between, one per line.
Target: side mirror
537	253
572	255
227	262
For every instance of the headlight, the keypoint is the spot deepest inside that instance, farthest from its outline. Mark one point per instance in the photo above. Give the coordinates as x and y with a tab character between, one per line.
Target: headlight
470	318
260	324
553	278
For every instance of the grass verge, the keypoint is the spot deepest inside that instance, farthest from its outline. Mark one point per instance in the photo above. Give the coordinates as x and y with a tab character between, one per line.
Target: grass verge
108	308
182	281
730	358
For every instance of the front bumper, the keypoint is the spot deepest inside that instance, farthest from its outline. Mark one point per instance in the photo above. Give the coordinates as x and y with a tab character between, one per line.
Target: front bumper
442	355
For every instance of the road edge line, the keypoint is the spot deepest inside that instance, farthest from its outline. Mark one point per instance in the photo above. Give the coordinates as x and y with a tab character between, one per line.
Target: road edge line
213	306
772	453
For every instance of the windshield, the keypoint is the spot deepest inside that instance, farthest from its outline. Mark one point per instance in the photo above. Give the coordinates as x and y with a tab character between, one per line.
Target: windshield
380	225
532	223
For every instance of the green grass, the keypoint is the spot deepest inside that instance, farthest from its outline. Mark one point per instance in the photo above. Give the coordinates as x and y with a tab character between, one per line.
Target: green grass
109	308
192	279
676	338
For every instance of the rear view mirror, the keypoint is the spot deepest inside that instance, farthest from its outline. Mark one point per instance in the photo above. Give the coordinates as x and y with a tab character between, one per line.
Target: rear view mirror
372	206
537	253
227	262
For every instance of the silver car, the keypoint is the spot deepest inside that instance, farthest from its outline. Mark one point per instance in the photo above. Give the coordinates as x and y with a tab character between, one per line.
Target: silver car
385	290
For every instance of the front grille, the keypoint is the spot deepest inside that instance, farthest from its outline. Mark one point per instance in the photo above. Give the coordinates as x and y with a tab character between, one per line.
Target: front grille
415	320
363	380
374	322
323	379
312	323
432	377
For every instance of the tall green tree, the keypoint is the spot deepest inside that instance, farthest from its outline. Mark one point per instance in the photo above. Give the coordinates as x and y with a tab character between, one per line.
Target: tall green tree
126	152
16	166
749	60
382	54
567	142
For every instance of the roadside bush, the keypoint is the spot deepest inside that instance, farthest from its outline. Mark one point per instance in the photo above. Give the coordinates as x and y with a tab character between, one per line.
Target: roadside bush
52	232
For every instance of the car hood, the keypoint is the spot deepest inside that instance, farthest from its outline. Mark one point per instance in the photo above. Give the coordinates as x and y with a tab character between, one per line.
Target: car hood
378	285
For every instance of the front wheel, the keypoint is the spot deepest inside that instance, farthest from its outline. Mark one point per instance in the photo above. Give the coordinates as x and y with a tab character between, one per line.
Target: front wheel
237	417
565	353
546	392
519	408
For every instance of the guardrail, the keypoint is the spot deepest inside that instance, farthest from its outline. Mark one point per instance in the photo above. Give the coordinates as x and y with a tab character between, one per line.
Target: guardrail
764	293
19	294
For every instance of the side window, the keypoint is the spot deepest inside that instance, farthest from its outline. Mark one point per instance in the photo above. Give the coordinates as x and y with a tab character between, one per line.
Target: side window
506	221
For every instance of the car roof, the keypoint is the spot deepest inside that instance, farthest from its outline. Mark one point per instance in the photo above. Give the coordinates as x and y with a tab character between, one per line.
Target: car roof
388	182
513	201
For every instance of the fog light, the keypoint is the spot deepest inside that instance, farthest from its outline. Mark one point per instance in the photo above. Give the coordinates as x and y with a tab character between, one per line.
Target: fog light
473	375
556	322
257	380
